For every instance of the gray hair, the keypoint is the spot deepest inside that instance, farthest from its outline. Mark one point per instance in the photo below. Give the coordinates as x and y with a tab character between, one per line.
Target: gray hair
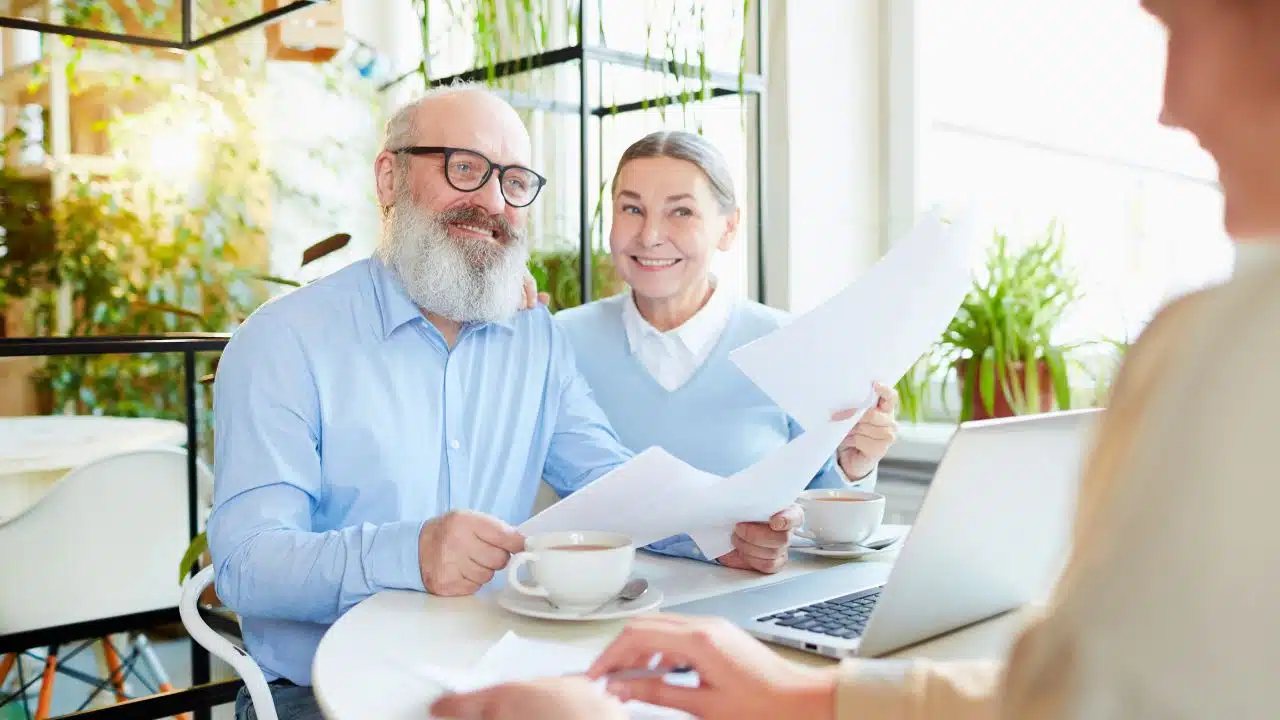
687	146
402	128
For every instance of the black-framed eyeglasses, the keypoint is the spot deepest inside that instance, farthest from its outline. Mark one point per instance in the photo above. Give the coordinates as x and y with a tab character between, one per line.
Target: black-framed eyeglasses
468	171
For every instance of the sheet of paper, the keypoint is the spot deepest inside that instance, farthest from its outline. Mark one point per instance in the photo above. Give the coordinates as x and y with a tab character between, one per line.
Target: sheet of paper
515	659
822	362
756	493
634	499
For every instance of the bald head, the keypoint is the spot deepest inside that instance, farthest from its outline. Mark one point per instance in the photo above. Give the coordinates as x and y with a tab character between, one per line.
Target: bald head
460	116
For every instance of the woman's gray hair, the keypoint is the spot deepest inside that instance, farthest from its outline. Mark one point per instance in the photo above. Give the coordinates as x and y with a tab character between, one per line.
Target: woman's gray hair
690	147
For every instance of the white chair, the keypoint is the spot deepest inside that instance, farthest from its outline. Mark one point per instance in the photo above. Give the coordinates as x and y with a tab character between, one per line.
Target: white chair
101	543
254	681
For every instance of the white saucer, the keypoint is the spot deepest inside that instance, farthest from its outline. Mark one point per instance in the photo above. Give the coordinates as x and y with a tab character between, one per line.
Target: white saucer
899	534
536	607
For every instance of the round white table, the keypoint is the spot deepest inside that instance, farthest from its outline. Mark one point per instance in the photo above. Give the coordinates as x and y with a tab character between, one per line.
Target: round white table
37	450
370	663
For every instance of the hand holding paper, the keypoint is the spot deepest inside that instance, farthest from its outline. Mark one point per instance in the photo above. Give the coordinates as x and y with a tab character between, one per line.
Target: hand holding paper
756	493
823	362
874	330
871	437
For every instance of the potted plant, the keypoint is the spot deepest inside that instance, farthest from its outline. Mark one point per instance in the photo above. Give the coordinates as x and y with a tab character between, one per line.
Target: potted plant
999	344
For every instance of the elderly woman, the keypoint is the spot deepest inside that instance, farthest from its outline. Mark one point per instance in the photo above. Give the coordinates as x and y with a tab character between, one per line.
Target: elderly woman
1168	606
657	357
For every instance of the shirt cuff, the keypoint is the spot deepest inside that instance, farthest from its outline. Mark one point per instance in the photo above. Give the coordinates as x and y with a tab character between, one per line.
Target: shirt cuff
866	482
919	688
879	688
394	557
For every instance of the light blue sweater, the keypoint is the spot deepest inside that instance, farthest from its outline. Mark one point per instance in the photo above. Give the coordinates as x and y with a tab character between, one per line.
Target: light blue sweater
718	421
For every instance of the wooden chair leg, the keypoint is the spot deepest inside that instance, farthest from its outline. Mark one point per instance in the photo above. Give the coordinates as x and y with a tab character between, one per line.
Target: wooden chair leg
114	670
46	684
6	665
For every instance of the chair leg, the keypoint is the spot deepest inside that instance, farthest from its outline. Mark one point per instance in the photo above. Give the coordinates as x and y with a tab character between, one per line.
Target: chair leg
6	664
116	674
46	684
157	670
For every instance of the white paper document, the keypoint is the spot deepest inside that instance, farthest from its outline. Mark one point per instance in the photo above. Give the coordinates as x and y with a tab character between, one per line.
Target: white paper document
515	659
755	494
824	361
821	363
648	498
656	496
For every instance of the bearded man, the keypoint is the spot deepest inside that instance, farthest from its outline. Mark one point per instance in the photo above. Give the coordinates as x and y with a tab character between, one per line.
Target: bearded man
387	426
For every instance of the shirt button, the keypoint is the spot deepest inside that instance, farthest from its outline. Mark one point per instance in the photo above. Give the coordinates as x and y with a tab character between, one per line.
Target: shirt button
454	444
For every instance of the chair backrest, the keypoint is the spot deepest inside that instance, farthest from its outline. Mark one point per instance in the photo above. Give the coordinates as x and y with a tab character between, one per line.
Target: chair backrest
254	681
104	541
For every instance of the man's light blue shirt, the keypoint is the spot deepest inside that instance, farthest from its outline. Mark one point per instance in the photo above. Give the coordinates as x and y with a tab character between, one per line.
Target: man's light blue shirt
343	422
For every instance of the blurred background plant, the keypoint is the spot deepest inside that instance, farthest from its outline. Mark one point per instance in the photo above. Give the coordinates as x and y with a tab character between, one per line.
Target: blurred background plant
169	235
999	347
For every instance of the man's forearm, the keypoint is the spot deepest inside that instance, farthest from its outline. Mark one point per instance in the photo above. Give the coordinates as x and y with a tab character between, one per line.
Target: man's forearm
313	576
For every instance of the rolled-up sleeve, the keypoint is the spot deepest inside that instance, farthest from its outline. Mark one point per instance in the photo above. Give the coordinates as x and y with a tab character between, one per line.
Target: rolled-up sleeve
269	561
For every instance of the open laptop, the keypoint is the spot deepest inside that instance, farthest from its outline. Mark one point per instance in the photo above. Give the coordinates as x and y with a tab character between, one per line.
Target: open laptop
992	535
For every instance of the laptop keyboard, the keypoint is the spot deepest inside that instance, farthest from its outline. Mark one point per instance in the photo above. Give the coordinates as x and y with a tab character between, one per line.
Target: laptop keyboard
843	617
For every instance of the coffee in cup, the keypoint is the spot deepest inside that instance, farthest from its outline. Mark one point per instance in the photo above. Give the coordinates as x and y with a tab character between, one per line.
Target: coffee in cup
841	515
576	571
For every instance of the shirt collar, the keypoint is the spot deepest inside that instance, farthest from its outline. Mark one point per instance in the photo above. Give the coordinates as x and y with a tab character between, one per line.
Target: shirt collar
695	334
395	308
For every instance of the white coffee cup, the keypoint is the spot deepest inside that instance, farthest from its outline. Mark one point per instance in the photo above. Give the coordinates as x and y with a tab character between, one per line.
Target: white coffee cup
841	515
574	570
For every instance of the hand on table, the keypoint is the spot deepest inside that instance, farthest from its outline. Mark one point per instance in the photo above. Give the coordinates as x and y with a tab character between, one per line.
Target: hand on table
567	698
531	297
763	546
461	550
739	677
872	436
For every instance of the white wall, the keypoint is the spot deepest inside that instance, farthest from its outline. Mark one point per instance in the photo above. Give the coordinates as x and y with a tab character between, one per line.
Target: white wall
827	132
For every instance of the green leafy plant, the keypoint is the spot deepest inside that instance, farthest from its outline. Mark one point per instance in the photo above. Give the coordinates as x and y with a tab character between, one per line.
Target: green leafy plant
134	250
556	273
504	30
999	345
171	239
199	546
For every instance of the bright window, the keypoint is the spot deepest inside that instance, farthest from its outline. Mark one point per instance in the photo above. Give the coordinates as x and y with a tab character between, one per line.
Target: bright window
1035	111
664	29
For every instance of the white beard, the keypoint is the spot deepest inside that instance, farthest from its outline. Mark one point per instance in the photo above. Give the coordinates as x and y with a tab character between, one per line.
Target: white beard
463	280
